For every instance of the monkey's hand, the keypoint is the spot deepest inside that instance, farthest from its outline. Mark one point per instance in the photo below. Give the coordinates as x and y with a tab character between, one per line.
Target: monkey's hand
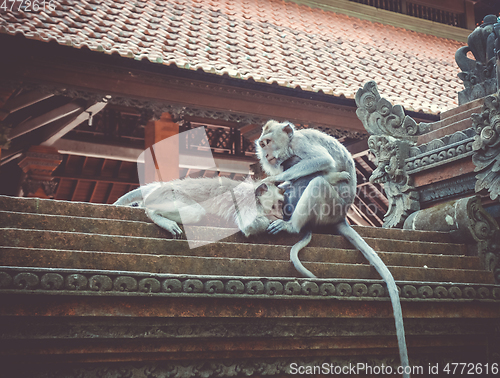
280	225
335	177
269	179
165	223
285	185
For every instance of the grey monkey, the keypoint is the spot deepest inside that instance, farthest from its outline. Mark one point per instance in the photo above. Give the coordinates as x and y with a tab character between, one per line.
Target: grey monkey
320	182
251	205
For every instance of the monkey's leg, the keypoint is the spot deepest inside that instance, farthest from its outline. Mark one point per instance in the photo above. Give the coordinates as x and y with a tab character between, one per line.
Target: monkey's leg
172	213
165	223
307	209
335	177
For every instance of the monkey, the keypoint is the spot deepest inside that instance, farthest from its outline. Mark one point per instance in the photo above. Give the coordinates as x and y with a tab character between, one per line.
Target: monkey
251	205
319	178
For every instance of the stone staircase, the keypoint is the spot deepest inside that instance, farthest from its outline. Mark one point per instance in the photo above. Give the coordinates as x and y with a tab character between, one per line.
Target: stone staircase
59	234
456	119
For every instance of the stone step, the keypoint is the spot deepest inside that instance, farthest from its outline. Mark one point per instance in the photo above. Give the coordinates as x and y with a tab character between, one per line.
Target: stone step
225	266
463	108
445	130
49	222
67	208
279	252
100	211
78	209
465	114
139	244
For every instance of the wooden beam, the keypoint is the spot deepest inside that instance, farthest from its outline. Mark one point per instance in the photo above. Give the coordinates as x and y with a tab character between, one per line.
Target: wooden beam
102	179
369	210
355	216
127	82
358	148
44	119
24	100
55	133
102	151
226	163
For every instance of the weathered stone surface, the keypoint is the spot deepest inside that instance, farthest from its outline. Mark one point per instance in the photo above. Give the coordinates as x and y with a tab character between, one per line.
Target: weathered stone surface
102	238
76	209
136	244
338	264
479	74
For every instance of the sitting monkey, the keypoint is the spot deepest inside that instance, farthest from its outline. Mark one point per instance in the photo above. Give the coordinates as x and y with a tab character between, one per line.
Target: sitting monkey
251	205
320	187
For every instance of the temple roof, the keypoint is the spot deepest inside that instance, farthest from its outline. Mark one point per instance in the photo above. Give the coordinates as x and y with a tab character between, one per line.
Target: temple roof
268	41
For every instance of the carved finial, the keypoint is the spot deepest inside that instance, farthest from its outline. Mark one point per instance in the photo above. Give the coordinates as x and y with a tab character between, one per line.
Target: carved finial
380	117
390	156
486	146
478	74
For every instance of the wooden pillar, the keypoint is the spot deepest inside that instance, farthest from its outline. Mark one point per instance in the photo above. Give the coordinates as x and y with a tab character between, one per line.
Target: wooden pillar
470	17
38	163
403	7
162	150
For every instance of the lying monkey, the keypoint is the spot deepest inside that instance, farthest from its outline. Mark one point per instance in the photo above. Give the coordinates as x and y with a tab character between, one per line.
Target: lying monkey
256	204
320	181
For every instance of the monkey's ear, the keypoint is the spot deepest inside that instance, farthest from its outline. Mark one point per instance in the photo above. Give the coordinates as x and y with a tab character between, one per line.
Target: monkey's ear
261	189
289	130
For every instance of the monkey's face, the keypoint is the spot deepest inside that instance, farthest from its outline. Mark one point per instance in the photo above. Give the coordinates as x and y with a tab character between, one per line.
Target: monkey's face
273	146
271	199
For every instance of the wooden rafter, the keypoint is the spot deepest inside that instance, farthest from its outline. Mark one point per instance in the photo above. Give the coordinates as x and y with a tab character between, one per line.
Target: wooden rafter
24	100
56	133
44	119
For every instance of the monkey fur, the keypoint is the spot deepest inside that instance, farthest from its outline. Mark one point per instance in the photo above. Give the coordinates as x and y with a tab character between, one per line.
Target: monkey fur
257	204
320	186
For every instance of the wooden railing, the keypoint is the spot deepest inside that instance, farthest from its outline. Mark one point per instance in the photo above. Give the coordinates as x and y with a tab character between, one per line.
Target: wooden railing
418	10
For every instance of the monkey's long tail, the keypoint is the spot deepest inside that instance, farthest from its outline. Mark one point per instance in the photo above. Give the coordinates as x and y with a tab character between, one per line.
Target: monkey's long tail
294	255
357	241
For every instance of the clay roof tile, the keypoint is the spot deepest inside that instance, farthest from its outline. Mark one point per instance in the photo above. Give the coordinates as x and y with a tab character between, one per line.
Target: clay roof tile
263	40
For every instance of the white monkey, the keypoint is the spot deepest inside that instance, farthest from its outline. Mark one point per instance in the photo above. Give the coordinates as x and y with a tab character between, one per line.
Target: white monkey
320	178
251	205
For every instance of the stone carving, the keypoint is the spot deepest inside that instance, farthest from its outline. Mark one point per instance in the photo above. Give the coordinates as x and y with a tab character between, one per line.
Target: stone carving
467	221
457	186
392	135
390	154
85	282
479	74
439	151
380	117
486	146
486	233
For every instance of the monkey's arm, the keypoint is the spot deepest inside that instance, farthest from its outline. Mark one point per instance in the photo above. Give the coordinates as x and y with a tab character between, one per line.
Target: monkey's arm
257	226
307	167
129	198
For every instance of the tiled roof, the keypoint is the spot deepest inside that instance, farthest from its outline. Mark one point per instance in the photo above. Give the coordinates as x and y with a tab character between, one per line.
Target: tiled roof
264	40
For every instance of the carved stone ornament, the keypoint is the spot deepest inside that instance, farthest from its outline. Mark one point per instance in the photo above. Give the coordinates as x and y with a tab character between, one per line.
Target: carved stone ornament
78	282
390	156
486	232
486	147
479	74
380	117
467	221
